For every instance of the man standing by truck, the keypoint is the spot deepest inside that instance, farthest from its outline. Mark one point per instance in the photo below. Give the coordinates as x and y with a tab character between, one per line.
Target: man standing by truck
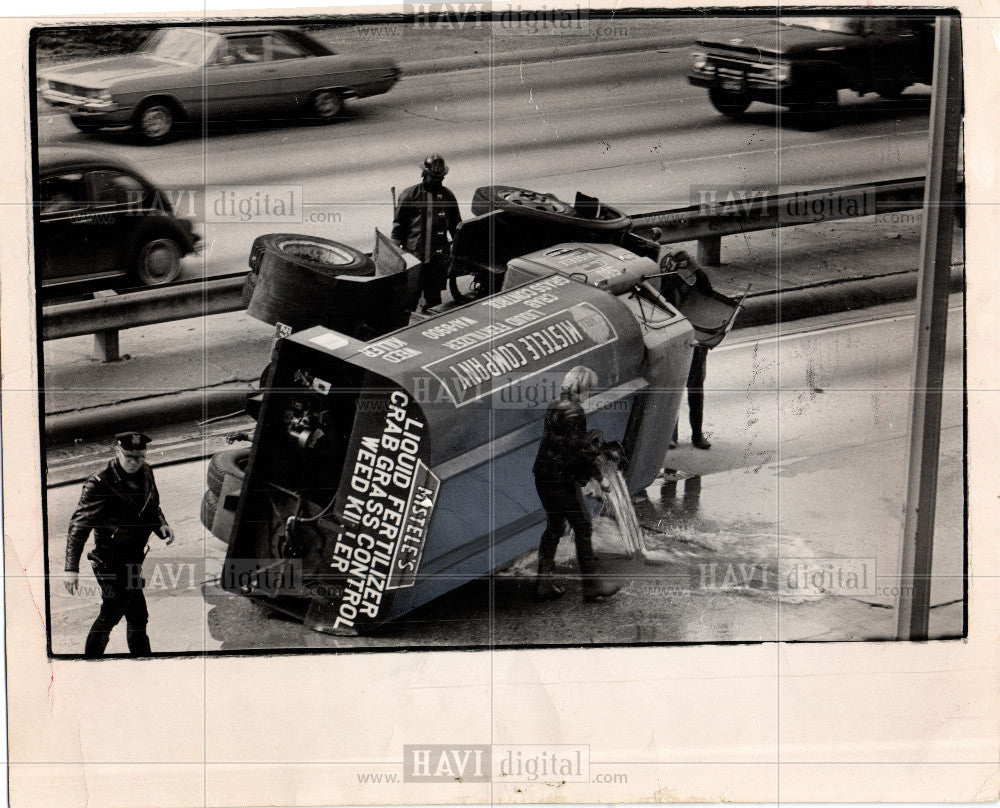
684	275
566	459
426	218
121	505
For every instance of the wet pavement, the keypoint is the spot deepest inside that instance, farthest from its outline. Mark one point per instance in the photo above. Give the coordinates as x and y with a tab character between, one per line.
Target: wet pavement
787	529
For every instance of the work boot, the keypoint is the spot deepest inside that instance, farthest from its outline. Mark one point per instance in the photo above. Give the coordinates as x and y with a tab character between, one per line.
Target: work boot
699	441
595	587
546	586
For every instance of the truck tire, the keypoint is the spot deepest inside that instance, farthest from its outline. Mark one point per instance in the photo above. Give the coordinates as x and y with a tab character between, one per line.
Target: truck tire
505	197
295	278
310	252
730	104
209	505
231	462
249	284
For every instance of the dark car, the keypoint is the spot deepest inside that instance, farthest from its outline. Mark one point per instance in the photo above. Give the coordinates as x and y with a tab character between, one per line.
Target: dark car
100	224
184	74
802	62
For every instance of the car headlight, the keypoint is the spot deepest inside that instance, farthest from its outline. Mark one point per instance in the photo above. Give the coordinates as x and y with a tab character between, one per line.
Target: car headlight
782	72
700	60
99	98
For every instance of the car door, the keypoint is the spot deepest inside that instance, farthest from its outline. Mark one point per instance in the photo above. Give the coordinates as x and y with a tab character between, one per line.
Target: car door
68	233
243	80
118	204
295	70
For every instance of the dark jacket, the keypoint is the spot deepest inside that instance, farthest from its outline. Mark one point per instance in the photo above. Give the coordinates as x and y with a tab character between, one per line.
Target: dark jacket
565	453
423	210
120	520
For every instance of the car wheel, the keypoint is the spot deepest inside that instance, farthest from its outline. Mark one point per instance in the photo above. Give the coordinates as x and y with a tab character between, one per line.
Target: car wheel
154	121
157	261
229	462
467	288
730	104
326	105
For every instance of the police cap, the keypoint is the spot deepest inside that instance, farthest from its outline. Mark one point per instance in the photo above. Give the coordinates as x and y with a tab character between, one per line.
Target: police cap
132	441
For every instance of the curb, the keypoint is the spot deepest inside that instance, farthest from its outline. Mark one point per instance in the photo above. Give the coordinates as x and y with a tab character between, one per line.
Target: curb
453	63
762	310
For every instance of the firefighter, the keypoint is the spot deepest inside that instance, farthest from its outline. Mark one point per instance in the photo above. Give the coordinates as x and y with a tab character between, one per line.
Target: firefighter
426	216
684	275
121	505
566	459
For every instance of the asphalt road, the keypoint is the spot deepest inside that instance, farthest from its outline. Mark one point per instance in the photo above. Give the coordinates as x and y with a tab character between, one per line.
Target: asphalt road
627	128
805	477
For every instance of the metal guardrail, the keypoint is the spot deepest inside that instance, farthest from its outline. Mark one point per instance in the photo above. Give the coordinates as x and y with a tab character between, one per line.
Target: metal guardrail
106	316
734	214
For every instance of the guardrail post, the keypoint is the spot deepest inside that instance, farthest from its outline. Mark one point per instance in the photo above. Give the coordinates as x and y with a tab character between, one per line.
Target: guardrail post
106	342
710	251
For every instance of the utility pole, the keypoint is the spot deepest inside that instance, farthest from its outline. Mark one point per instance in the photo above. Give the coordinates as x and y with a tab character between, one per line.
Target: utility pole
932	322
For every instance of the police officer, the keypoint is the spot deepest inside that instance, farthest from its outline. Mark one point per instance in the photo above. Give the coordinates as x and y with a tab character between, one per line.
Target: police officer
684	274
121	505
567	458
426	216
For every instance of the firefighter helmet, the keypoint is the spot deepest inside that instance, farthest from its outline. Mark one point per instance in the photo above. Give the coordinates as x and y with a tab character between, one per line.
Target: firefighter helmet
434	166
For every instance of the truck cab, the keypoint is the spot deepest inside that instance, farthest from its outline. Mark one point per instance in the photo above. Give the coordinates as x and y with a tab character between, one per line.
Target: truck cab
801	62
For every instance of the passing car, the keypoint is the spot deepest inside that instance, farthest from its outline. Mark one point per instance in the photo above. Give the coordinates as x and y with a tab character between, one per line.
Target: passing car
185	74
802	62
99	223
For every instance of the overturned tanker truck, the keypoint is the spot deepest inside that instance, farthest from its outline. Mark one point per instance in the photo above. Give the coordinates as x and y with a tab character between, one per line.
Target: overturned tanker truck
391	461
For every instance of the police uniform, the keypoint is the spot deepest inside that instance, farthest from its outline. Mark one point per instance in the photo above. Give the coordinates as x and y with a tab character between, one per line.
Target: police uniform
426	218
122	510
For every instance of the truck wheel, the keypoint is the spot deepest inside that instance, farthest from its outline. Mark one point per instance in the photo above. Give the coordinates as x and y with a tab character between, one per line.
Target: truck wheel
231	462
209	505
505	197
296	275
313	253
730	104
249	284
467	288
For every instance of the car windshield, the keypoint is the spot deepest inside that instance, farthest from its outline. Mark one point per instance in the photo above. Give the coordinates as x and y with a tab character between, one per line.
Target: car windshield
180	45
835	25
